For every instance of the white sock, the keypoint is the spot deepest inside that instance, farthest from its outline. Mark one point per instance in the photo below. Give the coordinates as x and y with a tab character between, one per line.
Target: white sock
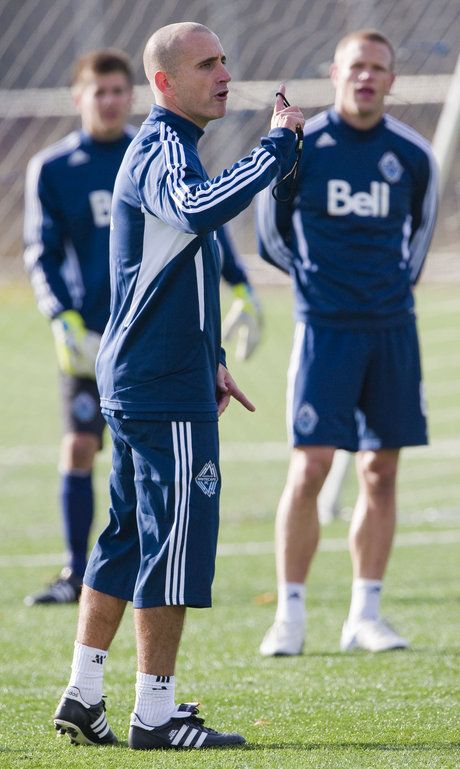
365	599
88	672
291	602
154	699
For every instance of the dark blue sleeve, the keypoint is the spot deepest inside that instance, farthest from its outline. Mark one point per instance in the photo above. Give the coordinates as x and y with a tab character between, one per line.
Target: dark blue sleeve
273	228
424	211
44	242
173	189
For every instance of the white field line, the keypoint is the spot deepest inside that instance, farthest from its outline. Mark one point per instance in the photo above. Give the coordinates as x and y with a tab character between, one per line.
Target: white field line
443	388
414	539
443	363
418	496
440	335
445	417
267	451
448	448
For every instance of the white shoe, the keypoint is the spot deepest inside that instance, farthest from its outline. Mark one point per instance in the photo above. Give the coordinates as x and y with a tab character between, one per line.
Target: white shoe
283	639
373	635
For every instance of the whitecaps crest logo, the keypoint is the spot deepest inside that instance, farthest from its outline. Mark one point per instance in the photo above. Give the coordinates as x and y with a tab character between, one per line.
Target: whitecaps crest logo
390	167
84	407
306	419
207	479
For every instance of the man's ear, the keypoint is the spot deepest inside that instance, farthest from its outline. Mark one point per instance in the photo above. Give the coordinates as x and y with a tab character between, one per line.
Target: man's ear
390	85
162	82
76	96
333	73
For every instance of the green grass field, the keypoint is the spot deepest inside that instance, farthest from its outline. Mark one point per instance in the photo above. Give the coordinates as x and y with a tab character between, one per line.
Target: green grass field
324	709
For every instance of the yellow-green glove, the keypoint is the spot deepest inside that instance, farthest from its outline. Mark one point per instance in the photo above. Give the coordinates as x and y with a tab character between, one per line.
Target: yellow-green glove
243	319
76	346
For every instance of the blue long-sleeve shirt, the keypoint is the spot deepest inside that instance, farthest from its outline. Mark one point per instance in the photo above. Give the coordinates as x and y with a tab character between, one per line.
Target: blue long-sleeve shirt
69	188
67	224
356	235
161	349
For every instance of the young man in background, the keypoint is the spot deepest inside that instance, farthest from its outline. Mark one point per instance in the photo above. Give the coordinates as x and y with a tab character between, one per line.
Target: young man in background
354	240
67	223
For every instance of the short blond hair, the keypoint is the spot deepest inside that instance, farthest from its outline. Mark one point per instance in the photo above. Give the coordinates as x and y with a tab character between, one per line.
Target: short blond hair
373	35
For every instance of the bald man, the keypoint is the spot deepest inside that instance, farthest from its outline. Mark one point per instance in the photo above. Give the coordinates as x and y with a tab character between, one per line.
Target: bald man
163	383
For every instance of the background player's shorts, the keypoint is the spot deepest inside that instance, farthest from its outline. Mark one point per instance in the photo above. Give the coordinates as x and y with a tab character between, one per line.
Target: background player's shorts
355	389
81	412
160	545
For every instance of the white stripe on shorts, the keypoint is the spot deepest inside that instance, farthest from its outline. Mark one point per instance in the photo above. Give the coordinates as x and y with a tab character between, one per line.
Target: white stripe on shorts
293	370
175	568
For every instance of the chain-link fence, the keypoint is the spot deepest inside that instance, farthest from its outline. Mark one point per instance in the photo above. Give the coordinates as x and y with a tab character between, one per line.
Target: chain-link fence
266	43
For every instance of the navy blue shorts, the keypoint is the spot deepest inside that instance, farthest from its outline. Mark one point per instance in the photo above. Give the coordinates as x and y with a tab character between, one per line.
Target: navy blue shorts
159	547
81	411
356	390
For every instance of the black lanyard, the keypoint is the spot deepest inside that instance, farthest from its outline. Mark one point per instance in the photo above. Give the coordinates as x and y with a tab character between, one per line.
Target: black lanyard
294	172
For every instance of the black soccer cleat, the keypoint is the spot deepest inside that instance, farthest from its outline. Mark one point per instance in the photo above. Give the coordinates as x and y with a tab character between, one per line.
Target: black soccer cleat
65	589
183	730
84	724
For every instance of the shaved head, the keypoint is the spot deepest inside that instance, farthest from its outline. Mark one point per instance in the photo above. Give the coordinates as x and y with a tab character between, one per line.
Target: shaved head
164	48
185	65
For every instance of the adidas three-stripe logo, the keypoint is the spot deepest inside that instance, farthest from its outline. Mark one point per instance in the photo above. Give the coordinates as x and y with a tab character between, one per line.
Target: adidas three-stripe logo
100	726
161	680
188	737
177	547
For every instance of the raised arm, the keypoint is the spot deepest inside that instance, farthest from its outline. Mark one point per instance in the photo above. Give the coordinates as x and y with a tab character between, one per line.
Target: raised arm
181	198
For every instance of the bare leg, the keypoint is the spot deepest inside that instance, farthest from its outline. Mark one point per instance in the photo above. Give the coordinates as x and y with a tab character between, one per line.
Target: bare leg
374	517
156	721
158	633
297	528
99	617
329	499
77	452
80	712
297	537
370	539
